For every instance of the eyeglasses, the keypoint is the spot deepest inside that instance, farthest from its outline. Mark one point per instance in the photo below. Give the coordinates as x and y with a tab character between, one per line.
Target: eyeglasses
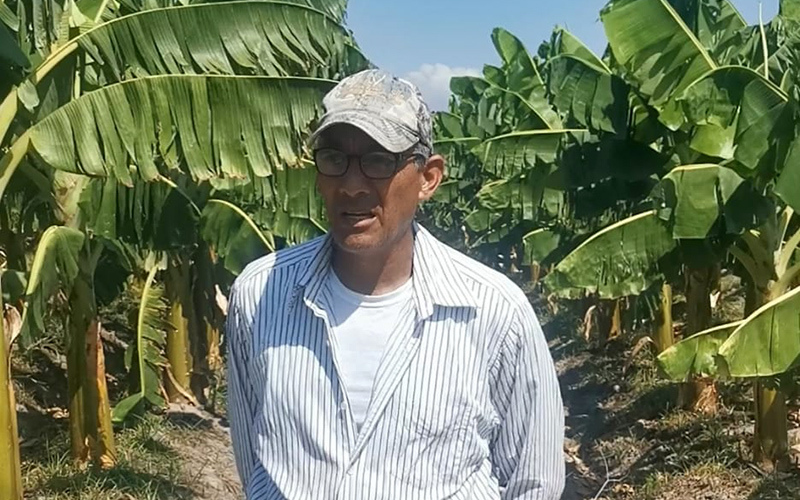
375	165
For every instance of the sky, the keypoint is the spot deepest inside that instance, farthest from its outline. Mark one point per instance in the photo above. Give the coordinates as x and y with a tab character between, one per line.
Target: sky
428	41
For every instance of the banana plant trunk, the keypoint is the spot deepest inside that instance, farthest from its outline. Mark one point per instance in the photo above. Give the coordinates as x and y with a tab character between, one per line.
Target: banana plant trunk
210	316
771	440
535	270
91	431
13	243
179	369
206	360
699	394
608	317
10	472
664	325
771	433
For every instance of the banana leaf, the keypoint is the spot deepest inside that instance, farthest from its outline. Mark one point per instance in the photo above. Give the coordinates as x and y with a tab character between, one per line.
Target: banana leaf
522	77
257	38
701	201
583	87
520	196
234	236
447	126
539	246
212	126
788	184
151	327
712	21
696	355
656	48
335	9
489	110
519	152
768	342
738	114
54	267
621	260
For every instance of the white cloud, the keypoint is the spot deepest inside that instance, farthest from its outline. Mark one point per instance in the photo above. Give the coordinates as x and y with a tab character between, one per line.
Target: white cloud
433	81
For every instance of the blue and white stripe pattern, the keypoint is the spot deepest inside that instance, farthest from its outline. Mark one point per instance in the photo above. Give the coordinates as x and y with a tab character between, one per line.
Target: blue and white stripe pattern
466	403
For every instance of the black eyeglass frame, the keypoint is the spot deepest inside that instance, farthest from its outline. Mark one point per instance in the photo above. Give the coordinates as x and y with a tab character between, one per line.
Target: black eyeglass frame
400	159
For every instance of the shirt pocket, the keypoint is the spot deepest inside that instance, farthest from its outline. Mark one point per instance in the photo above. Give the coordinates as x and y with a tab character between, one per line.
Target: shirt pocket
433	414
436	429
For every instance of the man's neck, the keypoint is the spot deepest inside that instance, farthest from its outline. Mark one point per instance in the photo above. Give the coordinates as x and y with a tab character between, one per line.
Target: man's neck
377	273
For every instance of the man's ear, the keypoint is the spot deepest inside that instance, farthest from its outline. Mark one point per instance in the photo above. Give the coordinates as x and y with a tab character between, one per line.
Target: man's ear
432	174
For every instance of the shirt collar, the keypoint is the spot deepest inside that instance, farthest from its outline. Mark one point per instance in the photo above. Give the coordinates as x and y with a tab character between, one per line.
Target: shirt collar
436	281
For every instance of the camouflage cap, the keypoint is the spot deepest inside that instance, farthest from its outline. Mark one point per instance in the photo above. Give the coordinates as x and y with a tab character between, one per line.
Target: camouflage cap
389	109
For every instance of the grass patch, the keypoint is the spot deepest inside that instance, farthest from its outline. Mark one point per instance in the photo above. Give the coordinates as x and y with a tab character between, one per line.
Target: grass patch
620	452
703	480
777	487
148	468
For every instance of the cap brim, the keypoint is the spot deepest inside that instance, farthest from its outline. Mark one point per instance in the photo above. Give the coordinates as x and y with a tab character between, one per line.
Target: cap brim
391	136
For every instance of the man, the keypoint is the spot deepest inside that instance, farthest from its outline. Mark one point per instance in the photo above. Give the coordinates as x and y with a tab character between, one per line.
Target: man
376	362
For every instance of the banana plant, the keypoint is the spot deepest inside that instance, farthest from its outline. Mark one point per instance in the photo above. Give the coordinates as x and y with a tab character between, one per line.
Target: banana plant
760	348
10	475
729	113
116	82
697	355
510	99
151	328
315	46
65	260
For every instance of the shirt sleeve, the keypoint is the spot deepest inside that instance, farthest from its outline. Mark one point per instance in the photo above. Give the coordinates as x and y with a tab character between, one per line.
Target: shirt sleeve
240	395
527	452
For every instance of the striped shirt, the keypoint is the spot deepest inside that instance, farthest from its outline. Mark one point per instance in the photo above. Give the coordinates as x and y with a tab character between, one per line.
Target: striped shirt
466	403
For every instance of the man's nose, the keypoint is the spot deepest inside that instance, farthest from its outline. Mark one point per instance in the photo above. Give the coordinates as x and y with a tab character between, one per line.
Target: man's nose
353	182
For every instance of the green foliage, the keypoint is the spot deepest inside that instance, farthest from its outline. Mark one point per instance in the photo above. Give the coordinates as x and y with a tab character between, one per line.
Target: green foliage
54	267
768	342
738	114
522	77
620	260
584	88
151	328
519	152
234	235
712	21
788	185
539	246
256	38
655	47
702	201
696	355
211	126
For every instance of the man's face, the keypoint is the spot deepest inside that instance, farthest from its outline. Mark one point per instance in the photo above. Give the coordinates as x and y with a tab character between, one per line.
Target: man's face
370	215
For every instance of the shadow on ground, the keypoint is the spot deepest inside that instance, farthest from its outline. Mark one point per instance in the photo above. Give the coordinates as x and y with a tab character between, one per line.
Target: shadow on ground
626	437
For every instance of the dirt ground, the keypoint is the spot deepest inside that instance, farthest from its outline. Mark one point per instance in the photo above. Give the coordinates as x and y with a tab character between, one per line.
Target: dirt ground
627	440
207	464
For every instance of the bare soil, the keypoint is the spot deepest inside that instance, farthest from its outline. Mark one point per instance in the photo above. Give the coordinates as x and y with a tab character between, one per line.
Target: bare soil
207	464
627	440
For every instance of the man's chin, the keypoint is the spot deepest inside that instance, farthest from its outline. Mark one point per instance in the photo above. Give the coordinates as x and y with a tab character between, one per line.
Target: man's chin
357	243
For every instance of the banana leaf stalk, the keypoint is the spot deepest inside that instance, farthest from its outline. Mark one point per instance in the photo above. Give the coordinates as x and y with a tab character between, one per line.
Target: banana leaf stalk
664	337
10	475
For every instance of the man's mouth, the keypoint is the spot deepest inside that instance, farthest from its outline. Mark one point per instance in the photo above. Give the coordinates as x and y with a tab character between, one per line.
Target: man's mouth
358	218
358	215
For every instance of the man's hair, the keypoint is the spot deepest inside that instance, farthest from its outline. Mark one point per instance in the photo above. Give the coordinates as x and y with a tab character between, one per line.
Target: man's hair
423	151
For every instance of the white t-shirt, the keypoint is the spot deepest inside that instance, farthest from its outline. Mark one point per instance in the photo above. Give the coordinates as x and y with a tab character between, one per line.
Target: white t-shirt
361	327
